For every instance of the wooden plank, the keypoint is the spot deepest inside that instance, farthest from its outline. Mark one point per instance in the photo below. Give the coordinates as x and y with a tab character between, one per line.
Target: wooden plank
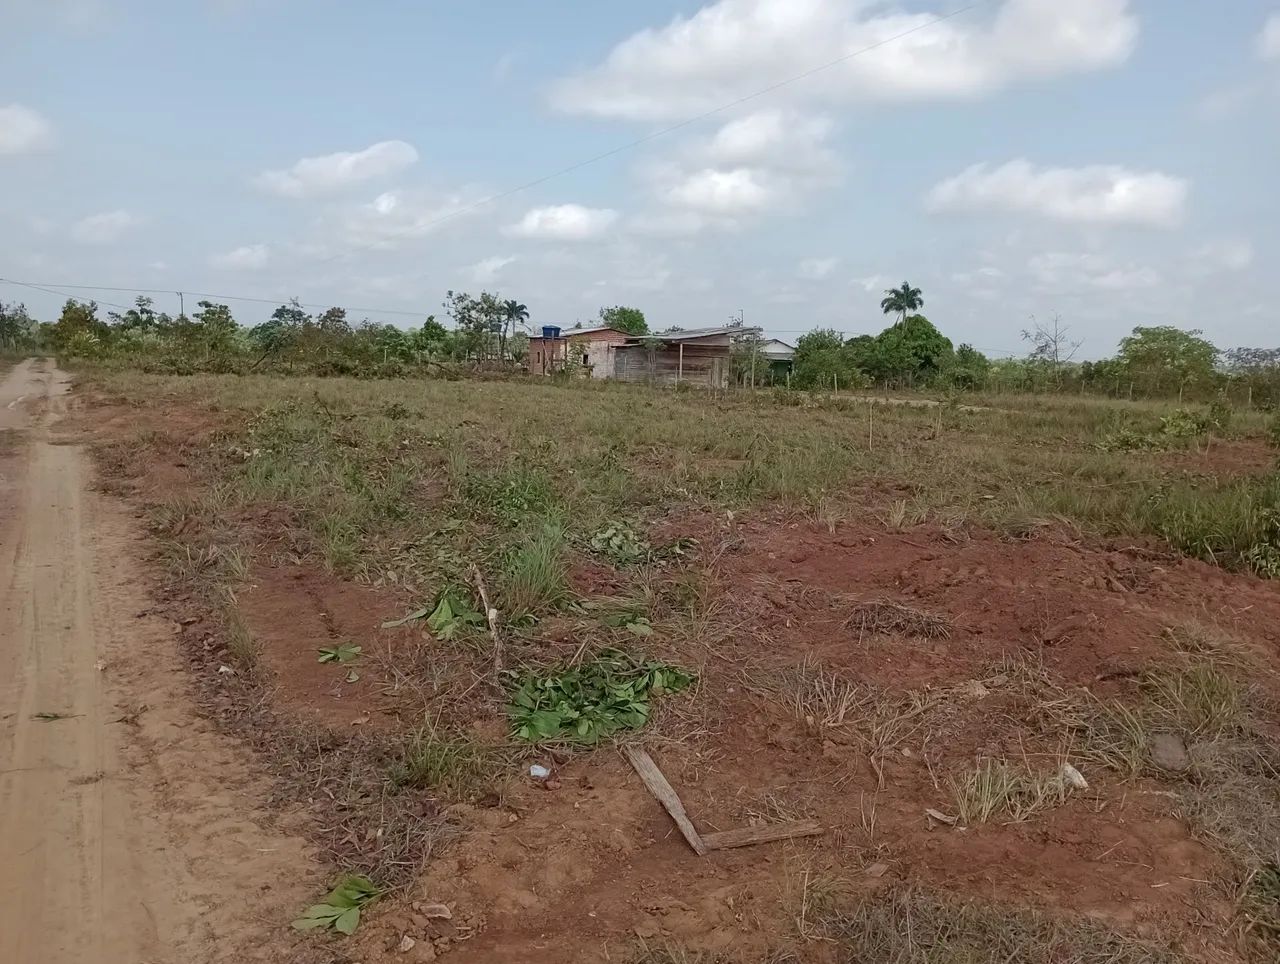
748	836
664	793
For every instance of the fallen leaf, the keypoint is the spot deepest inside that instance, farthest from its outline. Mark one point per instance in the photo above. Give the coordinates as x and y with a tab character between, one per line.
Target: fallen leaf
941	817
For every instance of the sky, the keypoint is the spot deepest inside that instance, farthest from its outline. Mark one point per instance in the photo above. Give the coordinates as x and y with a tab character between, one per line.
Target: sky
1112	162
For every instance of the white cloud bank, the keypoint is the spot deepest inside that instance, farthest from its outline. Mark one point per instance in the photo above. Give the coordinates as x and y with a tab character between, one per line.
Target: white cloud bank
563	222
23	130
330	173
1100	194
733	47
1269	38
104	228
249	257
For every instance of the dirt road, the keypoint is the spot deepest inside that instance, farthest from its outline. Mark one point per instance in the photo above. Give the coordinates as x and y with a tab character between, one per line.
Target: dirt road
121	842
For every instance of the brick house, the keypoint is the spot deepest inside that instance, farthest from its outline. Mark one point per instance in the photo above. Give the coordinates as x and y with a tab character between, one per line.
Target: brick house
590	349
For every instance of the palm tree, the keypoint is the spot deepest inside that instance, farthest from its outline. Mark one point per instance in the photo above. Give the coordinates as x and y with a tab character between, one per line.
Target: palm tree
902	300
516	314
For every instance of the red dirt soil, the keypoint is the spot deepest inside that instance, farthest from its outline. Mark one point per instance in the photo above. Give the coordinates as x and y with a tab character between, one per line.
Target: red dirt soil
580	872
565	875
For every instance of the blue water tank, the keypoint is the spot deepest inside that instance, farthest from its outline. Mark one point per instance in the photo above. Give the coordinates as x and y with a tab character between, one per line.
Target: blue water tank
550	331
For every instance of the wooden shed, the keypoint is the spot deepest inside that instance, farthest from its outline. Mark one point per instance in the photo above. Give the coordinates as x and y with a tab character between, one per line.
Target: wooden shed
699	356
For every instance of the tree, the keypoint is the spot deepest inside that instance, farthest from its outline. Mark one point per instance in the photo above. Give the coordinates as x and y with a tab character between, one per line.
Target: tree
282	330
16	326
1160	357
479	322
630	320
78	329
970	369
1051	344
821	360
516	314
141	317
902	301
214	327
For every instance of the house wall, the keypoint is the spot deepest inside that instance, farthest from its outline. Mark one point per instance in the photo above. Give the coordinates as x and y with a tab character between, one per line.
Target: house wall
705	362
593	351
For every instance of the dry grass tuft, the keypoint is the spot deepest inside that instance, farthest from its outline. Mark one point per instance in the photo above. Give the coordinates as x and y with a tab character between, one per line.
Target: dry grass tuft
996	788
885	618
903	926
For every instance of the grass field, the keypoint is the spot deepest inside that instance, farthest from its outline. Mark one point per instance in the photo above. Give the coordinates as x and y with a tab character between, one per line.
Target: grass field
838	609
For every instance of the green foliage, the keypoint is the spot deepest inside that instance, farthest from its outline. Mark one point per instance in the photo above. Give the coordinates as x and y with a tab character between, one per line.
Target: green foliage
1163	358
453	616
630	320
1179	425
535	574
434	759
620	544
902	301
341	908
582	704
511	496
17	329
342	653
822	361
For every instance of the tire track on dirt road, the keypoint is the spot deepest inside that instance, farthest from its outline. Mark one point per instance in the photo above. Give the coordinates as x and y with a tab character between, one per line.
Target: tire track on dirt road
120	842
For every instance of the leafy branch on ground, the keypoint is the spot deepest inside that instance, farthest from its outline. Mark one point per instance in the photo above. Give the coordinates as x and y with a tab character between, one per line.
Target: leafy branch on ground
340	910
342	653
583	704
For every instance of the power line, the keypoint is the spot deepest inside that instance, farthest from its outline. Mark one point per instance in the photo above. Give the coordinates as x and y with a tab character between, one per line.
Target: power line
63	294
662	132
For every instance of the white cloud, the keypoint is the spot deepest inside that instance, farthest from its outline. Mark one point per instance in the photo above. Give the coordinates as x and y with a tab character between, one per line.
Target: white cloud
23	130
871	282
742	190
1060	270
312	176
249	257
383	224
815	269
766	161
486	271
732	47
1269	38
1231	254
1104	194
563	222
104	228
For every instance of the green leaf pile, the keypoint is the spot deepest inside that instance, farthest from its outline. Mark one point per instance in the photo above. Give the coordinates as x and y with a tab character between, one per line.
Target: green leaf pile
343	653
620	544
341	907
450	617
582	704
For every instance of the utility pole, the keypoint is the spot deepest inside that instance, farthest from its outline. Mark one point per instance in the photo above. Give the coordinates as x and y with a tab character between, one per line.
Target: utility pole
182	305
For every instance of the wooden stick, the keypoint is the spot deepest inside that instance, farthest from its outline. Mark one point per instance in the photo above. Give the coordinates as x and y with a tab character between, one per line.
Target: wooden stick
764	834
664	793
491	615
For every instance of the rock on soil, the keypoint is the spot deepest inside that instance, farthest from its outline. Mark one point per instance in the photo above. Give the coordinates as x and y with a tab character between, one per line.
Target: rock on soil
1169	752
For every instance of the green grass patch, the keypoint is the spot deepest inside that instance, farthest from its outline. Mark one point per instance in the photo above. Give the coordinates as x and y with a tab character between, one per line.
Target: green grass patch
446	762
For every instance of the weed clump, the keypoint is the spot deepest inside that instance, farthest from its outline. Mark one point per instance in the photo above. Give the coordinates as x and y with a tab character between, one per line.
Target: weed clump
583	704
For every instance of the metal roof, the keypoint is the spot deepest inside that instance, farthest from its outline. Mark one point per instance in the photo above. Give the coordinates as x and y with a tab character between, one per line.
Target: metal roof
700	333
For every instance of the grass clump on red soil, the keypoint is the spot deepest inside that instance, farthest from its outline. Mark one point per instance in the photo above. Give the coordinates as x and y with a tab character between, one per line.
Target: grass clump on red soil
998	789
903	926
449	763
886	618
